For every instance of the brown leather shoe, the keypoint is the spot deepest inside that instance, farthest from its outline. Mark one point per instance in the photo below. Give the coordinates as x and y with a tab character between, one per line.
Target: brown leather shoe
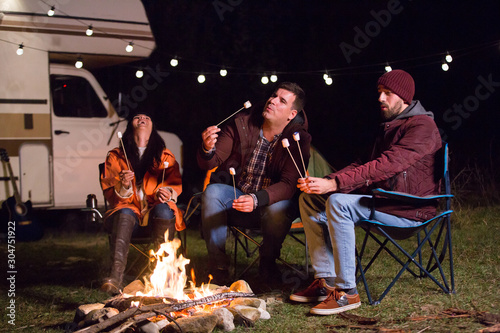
336	302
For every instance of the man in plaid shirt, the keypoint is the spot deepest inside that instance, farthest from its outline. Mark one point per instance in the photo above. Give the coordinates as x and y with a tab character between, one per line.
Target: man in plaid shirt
265	179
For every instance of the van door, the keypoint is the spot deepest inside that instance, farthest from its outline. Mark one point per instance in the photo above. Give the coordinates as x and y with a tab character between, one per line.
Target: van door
82	118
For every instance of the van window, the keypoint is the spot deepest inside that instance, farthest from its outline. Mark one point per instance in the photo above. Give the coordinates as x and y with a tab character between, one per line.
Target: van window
73	96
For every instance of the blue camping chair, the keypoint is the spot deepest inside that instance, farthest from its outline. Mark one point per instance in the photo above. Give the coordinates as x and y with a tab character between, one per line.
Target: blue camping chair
433	238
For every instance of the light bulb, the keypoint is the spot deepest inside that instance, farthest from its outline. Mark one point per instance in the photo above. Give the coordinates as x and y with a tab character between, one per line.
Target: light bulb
174	62
445	67
448	58
20	50
129	47
223	72
264	80
201	78
89	31
388	68
325	76
79	63
139	73
51	11
329	81
274	78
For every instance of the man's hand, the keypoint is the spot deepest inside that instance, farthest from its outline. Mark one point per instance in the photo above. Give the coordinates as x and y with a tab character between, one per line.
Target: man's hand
314	185
209	137
163	194
126	177
244	204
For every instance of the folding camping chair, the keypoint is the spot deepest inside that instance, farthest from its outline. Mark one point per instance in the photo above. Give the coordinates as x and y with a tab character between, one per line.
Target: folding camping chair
318	167
433	238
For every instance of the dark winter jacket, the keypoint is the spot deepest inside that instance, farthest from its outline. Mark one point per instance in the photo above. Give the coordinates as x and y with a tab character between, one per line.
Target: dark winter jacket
403	160
234	147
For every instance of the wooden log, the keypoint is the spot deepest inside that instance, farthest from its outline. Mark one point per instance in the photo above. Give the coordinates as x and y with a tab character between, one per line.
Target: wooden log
145	311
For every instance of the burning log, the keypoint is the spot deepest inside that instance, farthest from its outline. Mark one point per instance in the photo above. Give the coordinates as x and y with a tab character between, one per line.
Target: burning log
144	312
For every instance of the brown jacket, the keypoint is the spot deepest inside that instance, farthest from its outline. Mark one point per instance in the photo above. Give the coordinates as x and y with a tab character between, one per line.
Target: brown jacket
235	144
403	160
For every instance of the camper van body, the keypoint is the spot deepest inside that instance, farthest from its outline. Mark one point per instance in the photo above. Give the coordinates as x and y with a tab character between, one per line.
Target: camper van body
56	122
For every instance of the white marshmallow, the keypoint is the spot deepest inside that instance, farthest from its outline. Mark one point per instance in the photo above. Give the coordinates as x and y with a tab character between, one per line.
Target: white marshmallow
296	136
247	104
285	143
165	165
232	171
119	135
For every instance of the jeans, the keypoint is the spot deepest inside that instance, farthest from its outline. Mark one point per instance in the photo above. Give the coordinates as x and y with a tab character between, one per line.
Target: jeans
329	226
217	213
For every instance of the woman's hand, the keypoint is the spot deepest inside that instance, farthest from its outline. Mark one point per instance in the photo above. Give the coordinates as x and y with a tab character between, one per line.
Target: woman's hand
163	194
126	177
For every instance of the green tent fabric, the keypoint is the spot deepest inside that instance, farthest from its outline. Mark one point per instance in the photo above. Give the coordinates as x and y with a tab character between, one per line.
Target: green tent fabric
318	165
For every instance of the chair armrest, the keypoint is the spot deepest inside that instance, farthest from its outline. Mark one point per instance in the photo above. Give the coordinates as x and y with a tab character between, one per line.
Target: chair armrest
408	198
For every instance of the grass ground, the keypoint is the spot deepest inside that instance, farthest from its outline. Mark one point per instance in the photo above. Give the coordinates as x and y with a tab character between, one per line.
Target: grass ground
62	271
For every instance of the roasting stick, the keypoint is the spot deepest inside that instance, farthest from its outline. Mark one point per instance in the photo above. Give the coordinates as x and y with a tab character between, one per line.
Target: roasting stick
246	105
233	172
296	137
286	144
123	146
165	166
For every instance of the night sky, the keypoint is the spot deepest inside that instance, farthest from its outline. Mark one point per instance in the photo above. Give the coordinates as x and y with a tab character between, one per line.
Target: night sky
300	40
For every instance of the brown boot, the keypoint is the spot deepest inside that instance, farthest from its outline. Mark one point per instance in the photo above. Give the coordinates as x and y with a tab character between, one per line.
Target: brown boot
123	226
159	227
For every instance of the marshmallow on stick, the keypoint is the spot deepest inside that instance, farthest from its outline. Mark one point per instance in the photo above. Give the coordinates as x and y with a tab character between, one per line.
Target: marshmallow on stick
246	105
233	172
286	144
165	166
123	146
296	137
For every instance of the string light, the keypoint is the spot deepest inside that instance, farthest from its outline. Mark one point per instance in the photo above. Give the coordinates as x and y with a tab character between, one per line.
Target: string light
223	72
448	58
445	67
388	68
79	63
90	31
20	50
264	79
274	78
201	78
174	62
329	81
139	73
51	11
130	47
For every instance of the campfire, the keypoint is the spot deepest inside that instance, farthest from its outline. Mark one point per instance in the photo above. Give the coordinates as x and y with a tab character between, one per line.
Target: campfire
163	303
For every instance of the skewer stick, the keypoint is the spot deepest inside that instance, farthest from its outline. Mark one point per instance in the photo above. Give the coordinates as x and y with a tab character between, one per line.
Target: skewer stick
165	166
286	144
246	105
233	172
296	137
123	146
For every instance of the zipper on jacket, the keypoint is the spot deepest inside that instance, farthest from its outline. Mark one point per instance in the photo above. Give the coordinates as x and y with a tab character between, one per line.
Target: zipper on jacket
405	179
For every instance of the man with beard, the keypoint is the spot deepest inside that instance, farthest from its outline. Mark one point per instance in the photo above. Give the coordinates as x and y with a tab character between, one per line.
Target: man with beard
265	193
402	160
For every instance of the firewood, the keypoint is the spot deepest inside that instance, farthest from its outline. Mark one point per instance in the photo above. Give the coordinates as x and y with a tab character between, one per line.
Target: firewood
145	311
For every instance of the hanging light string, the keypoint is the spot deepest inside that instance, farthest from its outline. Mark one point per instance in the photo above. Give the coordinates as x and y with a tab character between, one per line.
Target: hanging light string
223	70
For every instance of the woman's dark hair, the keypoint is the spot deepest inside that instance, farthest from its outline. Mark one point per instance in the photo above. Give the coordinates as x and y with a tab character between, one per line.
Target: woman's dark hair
152	154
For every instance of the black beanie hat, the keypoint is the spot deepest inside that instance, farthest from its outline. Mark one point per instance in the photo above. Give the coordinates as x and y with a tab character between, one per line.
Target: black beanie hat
399	82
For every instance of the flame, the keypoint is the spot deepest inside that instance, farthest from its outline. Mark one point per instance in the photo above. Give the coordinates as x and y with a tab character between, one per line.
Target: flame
169	277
